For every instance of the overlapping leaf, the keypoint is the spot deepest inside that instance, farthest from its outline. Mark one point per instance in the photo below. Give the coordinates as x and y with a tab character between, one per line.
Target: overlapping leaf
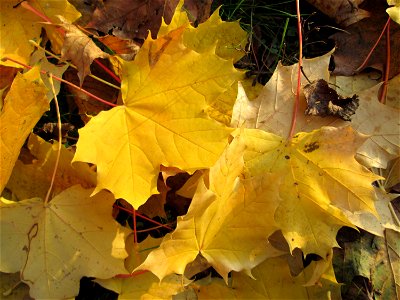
19	25
320	178
274	107
227	223
55	245
165	91
20	113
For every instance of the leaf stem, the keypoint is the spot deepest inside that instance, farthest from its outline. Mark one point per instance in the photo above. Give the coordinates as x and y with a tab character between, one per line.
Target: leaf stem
297	96
374	46
47	199
72	65
382	98
64	81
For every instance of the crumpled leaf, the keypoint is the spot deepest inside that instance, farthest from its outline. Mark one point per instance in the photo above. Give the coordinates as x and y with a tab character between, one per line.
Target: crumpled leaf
274	106
19	25
320	179
20	113
228	222
55	245
80	49
165	90
344	12
33	179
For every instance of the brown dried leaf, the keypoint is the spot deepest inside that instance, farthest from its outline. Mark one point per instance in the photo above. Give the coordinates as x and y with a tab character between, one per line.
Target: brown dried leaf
353	46
324	101
80	49
344	12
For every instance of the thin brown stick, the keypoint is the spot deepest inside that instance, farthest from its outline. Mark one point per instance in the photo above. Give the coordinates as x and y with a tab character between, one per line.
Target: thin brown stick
382	98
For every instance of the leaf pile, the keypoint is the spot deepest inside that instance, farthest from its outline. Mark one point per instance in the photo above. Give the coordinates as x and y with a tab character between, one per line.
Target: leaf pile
184	135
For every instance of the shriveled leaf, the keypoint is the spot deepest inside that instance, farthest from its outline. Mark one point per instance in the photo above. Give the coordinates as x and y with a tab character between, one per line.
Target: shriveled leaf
19	25
20	113
55	245
320	178
165	90
228	222
271	110
80	49
33	179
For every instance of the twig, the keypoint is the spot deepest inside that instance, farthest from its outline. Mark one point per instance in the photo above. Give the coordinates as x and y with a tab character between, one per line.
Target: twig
46	200
297	97
382	98
64	81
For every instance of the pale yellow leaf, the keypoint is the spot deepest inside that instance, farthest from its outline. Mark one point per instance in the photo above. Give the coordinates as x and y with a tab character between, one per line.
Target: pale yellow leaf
55	245
320	179
33	179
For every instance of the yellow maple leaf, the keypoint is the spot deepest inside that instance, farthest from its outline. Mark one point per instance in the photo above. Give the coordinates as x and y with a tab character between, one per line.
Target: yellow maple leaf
30	180
228	38
273	281
274	107
320	178
19	25
20	113
227	223
162	121
55	245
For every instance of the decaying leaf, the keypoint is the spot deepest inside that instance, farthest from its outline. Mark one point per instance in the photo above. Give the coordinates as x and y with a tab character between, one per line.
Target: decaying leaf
344	12
165	91
324	101
353	45
80	49
20	113
55	245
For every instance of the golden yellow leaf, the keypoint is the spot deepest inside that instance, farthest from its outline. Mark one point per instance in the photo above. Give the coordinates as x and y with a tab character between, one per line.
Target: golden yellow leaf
33	179
273	109
20	113
320	179
272	281
227	223
19	25
394	11
165	91
55	245
145	286
228	38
